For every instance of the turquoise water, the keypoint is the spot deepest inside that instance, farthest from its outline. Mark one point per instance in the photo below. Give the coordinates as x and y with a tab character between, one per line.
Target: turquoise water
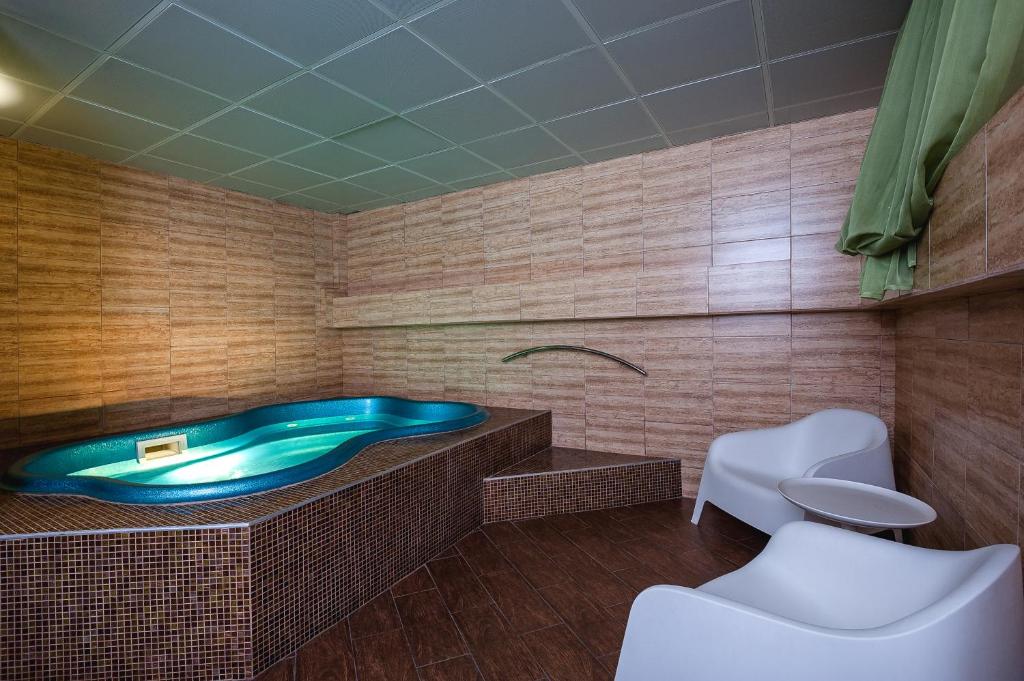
269	448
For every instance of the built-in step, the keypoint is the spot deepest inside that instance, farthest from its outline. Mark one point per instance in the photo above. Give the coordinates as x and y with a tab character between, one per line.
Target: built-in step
562	480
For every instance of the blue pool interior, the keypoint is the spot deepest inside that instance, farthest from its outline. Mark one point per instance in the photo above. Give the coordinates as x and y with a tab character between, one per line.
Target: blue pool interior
249	452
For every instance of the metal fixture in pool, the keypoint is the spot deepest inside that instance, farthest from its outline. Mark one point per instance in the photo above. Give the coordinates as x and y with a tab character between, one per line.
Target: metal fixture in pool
252	451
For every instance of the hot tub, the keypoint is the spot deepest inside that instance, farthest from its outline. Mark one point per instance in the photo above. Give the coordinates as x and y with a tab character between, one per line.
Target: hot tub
245	453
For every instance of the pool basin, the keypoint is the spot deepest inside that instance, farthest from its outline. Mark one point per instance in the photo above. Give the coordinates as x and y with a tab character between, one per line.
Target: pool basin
253	451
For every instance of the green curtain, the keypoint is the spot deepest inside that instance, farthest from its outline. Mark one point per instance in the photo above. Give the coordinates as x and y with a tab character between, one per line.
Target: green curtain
955	63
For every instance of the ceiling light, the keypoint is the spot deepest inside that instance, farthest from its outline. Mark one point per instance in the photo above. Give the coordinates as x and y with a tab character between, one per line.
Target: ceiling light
9	93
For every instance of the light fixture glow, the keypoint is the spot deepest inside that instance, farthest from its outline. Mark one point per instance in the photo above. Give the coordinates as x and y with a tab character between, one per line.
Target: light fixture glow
9	92
293	425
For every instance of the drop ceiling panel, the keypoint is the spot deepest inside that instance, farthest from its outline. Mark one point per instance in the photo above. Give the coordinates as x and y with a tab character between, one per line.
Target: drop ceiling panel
241	185
303	31
521	147
333	159
625	149
700	46
449	165
42	58
205	154
96	123
199	53
493	37
718	99
143	93
96	24
313	103
50	138
343	193
794	26
603	127
469	116
612	17
287	177
583	80
255	132
403	99
161	165
391	180
852	68
393	140
398	70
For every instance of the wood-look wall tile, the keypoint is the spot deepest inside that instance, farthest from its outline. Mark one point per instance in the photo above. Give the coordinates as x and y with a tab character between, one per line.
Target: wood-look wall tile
624	436
613	244
852	360
687	442
136	349
675	291
861	120
753	325
823	277
377	310
745	406
764	359
424	266
506	218
612	187
749	287
957	227
451	305
677	176
554	300
829	150
993	495
677	226
686	402
56	249
995	394
610	395
463	262
496	302
411	307
602	297
750	171
681	359
819	324
751	216
808	399
422	221
134	269
741	252
821	208
1005	146
57	181
60	419
997	317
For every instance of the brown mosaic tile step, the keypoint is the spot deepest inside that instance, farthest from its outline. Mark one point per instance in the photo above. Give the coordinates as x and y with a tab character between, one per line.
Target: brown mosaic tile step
564	480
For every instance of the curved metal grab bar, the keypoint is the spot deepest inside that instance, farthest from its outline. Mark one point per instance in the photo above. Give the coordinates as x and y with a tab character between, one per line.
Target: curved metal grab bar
576	348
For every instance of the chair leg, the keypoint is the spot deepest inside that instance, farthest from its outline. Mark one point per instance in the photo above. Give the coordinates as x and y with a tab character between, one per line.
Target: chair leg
698	508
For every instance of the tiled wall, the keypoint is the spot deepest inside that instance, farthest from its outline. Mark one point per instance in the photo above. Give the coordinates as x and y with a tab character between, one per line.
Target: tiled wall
706	375
977	226
959	420
736	224
129	299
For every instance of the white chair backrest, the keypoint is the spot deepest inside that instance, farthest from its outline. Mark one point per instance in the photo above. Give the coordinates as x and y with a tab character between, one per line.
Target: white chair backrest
832	432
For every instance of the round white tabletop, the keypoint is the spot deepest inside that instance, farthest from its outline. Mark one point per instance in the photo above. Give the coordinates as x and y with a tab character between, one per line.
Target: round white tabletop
856	503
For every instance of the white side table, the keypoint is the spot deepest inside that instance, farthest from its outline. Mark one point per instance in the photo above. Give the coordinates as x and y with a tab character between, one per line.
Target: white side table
855	504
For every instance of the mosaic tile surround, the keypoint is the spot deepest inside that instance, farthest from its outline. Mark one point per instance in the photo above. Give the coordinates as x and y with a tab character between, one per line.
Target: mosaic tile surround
222	590
565	480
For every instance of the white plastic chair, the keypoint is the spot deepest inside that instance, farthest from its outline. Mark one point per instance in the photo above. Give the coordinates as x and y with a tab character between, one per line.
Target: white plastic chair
743	470
821	603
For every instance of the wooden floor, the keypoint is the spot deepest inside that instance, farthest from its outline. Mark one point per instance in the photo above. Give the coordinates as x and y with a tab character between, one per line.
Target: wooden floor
543	599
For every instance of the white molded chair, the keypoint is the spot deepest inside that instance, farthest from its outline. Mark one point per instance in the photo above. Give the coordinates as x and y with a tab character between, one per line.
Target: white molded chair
821	603
743	470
